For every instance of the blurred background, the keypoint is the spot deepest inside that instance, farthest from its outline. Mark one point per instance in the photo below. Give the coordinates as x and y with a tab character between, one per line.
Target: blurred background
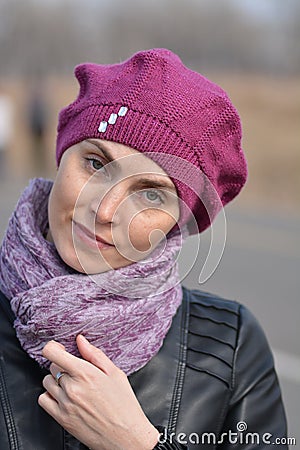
251	48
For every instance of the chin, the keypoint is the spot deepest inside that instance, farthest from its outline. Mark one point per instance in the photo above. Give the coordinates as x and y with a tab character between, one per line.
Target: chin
91	264
88	268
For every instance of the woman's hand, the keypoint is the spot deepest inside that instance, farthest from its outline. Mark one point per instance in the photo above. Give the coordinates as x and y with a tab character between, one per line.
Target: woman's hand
94	400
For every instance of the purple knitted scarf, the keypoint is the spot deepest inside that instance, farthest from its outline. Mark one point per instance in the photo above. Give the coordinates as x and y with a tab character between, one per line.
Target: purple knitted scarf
52	301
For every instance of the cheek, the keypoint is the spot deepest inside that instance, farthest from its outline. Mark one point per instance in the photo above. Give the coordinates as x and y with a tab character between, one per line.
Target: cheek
144	224
61	206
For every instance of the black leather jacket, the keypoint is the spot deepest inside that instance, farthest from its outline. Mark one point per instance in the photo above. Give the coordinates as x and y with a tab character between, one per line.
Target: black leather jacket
213	375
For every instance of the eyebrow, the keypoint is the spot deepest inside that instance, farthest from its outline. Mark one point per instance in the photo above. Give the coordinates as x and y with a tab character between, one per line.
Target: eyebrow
147	182
141	182
103	150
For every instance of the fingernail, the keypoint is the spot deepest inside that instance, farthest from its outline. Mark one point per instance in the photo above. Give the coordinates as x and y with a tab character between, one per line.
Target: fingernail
80	336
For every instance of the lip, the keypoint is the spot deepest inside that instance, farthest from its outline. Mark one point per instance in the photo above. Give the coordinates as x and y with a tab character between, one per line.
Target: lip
90	238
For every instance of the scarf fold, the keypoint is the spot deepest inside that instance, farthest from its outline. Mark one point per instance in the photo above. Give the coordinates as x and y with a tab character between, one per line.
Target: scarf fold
126	312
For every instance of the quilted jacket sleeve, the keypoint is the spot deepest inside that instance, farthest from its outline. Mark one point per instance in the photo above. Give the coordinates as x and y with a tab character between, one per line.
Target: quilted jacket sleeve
256	408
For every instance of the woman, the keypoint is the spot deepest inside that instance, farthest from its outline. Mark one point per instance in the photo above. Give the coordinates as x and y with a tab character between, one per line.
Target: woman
149	152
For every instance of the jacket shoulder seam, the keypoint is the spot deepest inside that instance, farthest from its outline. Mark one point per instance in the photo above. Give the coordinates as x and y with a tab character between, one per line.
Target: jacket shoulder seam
233	377
214	301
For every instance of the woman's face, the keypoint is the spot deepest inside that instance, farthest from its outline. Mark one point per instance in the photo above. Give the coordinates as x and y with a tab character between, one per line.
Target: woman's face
109	206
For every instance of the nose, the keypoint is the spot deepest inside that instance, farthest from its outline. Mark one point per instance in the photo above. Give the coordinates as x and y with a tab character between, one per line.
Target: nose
107	209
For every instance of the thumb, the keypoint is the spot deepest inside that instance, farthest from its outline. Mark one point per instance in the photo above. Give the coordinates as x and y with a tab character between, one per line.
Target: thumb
94	355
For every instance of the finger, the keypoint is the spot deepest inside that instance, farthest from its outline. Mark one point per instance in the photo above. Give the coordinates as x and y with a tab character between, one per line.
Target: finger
50	405
54	369
95	356
58	378
56	353
53	388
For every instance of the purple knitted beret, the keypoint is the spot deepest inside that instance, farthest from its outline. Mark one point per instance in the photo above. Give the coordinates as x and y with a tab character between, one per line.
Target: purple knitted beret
153	103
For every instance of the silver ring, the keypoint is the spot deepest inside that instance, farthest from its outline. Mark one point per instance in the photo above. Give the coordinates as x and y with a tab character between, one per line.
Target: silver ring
58	377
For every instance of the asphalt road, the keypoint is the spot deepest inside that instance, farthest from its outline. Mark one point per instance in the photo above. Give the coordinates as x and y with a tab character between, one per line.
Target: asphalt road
259	267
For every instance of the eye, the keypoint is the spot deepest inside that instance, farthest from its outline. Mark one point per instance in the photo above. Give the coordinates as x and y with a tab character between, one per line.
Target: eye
152	196
95	164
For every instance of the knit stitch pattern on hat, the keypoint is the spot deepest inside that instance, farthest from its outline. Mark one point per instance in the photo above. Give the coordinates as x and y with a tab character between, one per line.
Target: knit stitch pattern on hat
170	110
